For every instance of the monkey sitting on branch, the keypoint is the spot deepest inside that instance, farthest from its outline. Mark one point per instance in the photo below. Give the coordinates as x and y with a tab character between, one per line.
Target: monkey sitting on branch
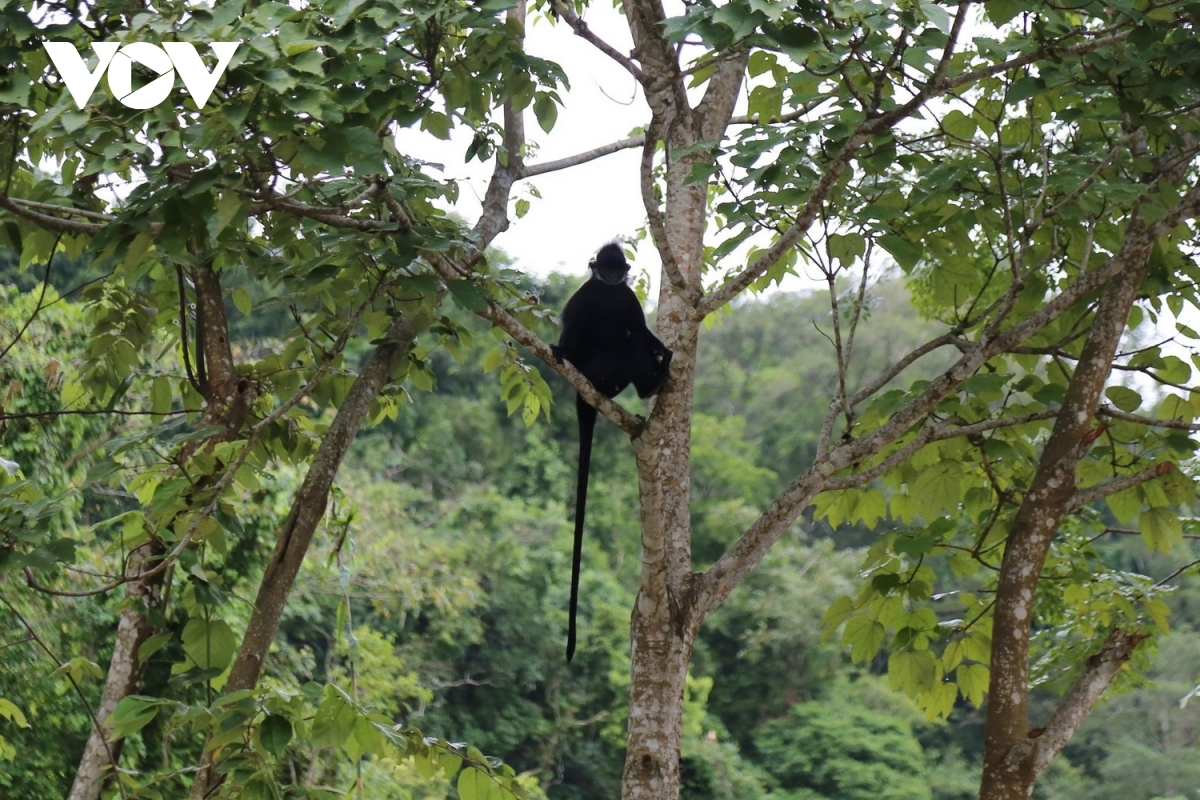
604	335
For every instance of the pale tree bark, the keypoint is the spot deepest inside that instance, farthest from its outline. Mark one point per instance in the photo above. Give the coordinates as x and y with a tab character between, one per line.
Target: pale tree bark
1013	755
228	398
308	508
664	626
100	756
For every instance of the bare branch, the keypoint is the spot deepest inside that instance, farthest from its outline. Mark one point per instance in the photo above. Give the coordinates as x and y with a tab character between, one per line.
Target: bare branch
531	170
1097	674
1178	424
1083	497
583	31
47	221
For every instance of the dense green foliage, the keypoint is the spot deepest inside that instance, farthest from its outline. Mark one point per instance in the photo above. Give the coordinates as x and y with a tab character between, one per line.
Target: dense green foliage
206	306
438	589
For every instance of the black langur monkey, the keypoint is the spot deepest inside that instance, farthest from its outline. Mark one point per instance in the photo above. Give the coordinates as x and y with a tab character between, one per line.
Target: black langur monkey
604	335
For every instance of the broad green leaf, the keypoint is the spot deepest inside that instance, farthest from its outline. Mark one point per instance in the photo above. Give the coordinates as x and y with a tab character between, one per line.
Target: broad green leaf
274	733
160	395
937	488
1161	528
959	125
132	714
546	111
905	252
864	635
151	646
1123	397
9	710
210	645
913	671
1124	504
241	299
334	721
473	784
838	612
973	682
938	702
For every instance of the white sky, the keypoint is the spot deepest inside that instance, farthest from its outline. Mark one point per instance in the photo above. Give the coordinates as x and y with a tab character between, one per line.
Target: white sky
585	206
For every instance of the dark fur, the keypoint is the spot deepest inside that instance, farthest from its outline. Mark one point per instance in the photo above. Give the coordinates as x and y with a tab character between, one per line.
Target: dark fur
604	335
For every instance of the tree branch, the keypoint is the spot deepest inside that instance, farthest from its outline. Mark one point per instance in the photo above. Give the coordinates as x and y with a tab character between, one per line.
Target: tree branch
713	586
1177	424
1097	674
46	221
584	32
1083	497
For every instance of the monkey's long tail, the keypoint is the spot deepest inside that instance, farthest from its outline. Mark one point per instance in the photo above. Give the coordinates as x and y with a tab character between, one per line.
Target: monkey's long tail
587	424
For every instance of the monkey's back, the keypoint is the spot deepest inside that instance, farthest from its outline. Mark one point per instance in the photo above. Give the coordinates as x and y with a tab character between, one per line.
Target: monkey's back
602	323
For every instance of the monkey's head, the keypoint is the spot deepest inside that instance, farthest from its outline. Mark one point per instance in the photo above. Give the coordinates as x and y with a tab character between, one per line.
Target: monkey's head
610	265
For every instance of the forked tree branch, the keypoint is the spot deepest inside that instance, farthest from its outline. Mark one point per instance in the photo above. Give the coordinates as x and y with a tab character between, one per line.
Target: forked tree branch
713	586
937	86
581	29
1091	494
1088	688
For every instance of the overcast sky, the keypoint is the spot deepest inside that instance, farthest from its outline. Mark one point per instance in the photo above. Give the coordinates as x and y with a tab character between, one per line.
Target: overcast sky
585	206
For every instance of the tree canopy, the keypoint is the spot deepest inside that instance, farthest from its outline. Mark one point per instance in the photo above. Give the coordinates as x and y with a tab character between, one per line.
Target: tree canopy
266	275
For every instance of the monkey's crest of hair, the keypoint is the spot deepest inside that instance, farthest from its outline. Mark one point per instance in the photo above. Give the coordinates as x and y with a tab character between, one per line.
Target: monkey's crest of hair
610	265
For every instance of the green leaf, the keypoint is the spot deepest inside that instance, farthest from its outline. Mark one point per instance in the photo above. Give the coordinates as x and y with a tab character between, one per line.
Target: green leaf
838	612
953	654
905	252
241	299
228	206
912	670
938	702
836	506
334	721
864	635
132	714
1175	407
1124	504
210	645
473	784
959	125
160	395
1024	88
938	488
1161	528
546	111
274	733
468	294
846	247
152	646
973	682
1123	397
9	710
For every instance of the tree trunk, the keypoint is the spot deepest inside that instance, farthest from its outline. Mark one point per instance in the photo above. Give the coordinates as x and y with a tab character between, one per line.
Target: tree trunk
308	508
123	675
1011	761
658	673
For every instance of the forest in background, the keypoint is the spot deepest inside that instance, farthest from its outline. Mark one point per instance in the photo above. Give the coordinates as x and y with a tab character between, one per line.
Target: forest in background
437	587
